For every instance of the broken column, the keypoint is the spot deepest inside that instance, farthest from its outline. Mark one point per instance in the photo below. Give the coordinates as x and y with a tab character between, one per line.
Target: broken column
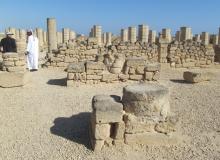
52	33
152	36
215	40
177	36
124	35
66	35
132	34
104	38
106	118
143	32
166	34
163	50
205	38
185	33
108	38
45	37
197	38
59	37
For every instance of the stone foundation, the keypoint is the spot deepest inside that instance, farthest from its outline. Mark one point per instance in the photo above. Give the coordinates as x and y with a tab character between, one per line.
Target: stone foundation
141	117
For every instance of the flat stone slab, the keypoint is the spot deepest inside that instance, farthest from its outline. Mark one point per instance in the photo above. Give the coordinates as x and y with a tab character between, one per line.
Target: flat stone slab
197	76
76	68
12	79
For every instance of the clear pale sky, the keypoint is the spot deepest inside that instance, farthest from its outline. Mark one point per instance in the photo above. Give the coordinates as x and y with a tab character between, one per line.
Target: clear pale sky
80	15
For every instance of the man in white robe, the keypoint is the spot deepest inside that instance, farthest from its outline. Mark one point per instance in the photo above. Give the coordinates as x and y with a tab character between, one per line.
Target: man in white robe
32	51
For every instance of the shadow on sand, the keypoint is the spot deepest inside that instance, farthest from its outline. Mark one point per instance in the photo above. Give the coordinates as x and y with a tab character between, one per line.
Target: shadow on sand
180	81
75	128
58	82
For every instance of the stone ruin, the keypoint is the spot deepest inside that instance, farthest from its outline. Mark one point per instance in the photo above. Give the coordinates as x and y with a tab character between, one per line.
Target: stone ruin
93	72
141	116
13	72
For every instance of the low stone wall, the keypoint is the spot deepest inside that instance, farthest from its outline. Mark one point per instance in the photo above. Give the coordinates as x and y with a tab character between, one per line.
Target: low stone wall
142	116
13	72
190	54
93	72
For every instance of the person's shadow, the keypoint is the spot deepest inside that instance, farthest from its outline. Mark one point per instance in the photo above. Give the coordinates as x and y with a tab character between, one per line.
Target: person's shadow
58	82
75	128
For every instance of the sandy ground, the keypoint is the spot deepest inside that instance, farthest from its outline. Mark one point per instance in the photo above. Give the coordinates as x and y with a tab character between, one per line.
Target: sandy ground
46	120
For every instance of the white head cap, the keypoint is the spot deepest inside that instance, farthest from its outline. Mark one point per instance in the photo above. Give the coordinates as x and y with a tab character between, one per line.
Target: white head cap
9	33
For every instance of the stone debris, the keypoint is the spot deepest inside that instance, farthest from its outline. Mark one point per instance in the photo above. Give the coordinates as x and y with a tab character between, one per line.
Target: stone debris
142	117
197	76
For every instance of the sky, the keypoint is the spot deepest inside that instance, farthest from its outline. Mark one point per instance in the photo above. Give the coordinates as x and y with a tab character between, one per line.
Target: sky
113	15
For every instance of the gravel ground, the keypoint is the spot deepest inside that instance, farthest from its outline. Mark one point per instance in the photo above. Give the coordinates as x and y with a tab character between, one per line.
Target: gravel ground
46	120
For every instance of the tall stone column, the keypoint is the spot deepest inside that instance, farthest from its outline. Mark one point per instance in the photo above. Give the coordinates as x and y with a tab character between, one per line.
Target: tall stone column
39	32
109	38
163	50
45	37
205	38
104	38
52	33
72	35
197	38
124	35
185	33
91	33
152	36
166	34
215	40
66	35
143	33
132	34
98	34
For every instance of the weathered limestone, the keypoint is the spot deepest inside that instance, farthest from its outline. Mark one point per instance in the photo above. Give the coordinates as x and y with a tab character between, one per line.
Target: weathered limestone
145	119
98	33
214	39
163	50
166	34
59	37
13	74
152	36
143	33
205	38
52	36
21	46
197	38
132	34
72	35
197	76
108	38
45	37
185	33
66	35
104	38
124	35
17	34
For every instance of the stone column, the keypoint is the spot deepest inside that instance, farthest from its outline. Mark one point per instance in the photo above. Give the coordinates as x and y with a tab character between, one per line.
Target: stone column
132	34
152	36
98	34
66	35
143	32
59	37
104	38
109	38
166	34
17	34
205	38
39	32
163	50
185	33
52	33
91	33
124	35
45	37
72	35
177	36
219	37
197	38
215	40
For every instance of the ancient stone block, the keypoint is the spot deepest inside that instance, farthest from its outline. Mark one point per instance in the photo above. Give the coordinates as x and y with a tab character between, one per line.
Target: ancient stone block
107	109
93	77
152	67
97	145
156	76
197	76
109	77
115	70
136	77
95	66
168	126
151	100
148	76
100	131
135	62
123	77
13	79
15	69
76	68
119	130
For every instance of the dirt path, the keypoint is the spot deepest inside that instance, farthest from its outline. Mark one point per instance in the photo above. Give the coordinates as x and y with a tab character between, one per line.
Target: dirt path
46	120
